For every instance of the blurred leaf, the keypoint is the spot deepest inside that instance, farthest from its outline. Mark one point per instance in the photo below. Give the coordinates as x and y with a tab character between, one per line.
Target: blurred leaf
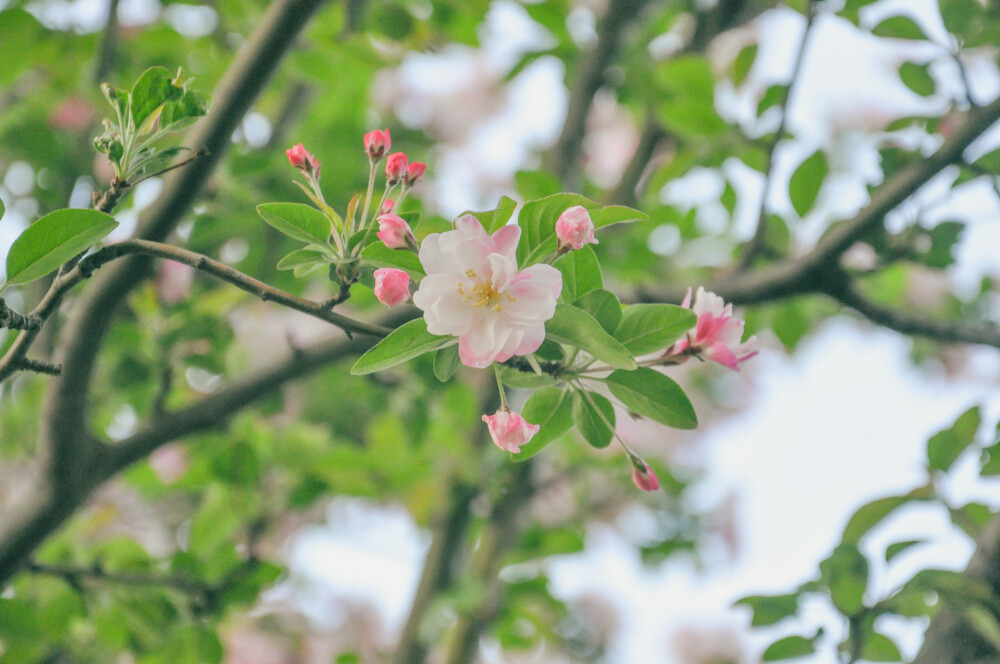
917	78
53	240
654	395
589	421
771	609
845	573
789	647
806	182
498	217
945	447
871	514
899	27
741	66
879	648
897	548
536	184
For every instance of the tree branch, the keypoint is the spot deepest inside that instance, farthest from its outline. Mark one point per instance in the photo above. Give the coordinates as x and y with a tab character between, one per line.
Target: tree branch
756	244
499	537
109	44
951	638
626	192
588	81
846	292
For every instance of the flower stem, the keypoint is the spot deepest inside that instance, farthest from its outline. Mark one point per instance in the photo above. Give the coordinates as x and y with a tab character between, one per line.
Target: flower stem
361	245
503	395
368	194
600	413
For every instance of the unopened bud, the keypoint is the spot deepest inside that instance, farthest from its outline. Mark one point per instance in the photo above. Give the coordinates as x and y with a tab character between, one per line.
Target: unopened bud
395	168
300	158
574	228
414	172
377	143
392	286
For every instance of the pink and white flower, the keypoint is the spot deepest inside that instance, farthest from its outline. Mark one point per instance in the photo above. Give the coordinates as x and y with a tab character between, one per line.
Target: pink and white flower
644	477
392	286
509	430
473	291
394	232
574	228
718	333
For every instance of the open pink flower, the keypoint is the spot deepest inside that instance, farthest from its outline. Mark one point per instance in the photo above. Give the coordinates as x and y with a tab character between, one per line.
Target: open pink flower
392	286
718	333
509	430
644	477
574	228
394	232
474	291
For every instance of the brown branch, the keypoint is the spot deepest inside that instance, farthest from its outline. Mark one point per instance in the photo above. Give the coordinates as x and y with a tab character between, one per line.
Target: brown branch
499	537
809	273
589	78
12	320
951	638
39	366
109	44
847	293
626	192
756	243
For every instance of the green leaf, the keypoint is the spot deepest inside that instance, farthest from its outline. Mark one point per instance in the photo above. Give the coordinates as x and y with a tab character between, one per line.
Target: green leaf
654	395
581	273
991	457
806	182
618	214
183	112
945	447
53	240
3	210
604	306
406	342
297	221
647	328
446	362
897	548
550	409
789	647
771	609
154	88
879	648
899	27
917	78
742	64
537	220
772	97
845	573
379	255
577	328
498	217
687	104
300	257
870	515
524	380
592	426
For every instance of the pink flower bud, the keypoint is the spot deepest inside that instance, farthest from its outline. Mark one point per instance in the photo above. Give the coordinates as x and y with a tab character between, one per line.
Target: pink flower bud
394	232
395	167
300	158
574	228
643	476
509	430
387	206
377	143
414	172
392	286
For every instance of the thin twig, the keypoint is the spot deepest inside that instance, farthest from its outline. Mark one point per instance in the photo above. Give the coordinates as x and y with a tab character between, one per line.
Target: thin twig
39	366
109	44
756	244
